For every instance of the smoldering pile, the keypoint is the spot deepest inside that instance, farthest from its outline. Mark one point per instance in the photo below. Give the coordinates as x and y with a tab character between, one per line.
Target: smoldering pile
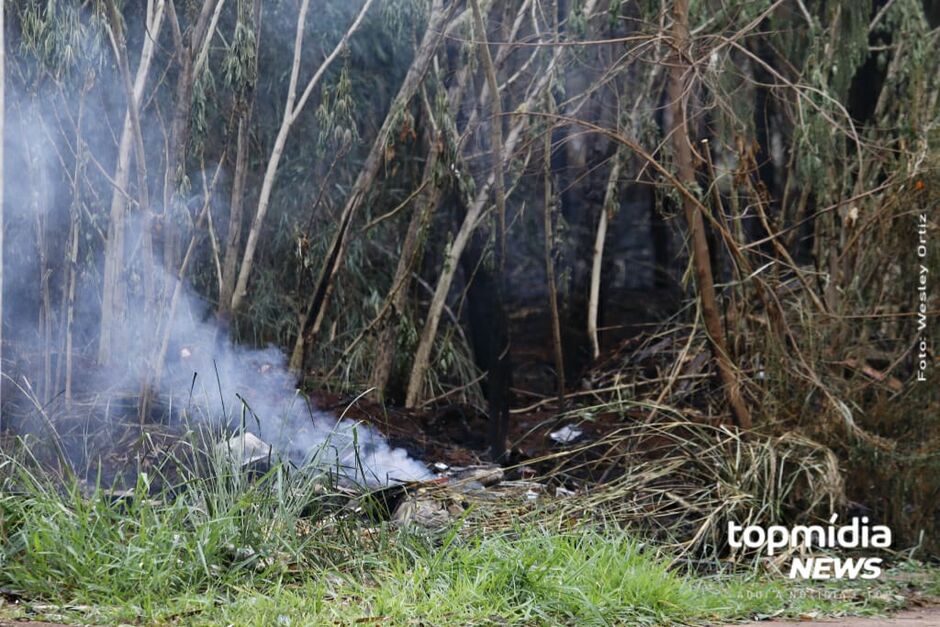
207	384
251	392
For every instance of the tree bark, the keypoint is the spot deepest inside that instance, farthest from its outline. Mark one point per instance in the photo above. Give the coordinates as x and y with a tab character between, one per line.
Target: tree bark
549	233
236	211
39	185
444	134
189	52
387	335
499	373
423	353
679	87
233	235
594	296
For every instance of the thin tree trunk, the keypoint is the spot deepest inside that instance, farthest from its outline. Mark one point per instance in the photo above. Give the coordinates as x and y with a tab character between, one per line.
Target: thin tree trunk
45	309
64	361
609	207
70	302
292	110
449	266
387	335
679	87
319	302
143	184
548	227
426	204
594	296
112	295
167	327
297	353
236	211
37	187
188	51
500	372
549	209
233	236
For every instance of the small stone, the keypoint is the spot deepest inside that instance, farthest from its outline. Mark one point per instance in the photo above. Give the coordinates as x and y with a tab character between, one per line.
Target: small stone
421	511
484	475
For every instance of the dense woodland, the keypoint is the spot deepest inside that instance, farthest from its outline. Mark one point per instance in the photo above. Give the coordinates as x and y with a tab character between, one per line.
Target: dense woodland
704	209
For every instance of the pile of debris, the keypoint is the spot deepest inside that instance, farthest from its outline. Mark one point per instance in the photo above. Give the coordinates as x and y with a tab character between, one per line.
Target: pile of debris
450	495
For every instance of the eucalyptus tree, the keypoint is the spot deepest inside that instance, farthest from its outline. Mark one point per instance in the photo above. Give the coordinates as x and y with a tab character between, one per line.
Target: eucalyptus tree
368	203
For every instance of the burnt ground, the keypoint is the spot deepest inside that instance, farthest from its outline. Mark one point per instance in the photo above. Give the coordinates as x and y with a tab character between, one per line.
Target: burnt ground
455	434
452	434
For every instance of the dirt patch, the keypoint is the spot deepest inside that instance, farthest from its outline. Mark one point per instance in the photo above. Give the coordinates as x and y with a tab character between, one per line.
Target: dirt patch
923	617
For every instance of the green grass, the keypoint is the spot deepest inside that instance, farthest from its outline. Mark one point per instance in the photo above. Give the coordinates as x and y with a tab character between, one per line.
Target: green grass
276	551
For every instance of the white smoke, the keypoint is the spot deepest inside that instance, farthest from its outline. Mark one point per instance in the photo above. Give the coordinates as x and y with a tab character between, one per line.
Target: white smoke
208	380
252	389
205	378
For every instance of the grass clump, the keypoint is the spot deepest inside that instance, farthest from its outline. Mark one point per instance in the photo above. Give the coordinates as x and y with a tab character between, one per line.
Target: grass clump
533	575
62	541
223	547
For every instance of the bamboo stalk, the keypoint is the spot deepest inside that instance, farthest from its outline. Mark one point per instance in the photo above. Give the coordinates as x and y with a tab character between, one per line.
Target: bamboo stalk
548	210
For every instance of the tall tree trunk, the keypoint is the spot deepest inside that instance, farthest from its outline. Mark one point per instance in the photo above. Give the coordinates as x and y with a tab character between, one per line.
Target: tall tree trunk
236	211
422	358
39	186
233	236
189	52
70	299
444	134
549	208
549	234
387	334
499	373
112	295
679	89
319	301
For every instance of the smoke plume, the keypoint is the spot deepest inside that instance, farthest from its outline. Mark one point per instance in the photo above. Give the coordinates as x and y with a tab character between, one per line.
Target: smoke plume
62	153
